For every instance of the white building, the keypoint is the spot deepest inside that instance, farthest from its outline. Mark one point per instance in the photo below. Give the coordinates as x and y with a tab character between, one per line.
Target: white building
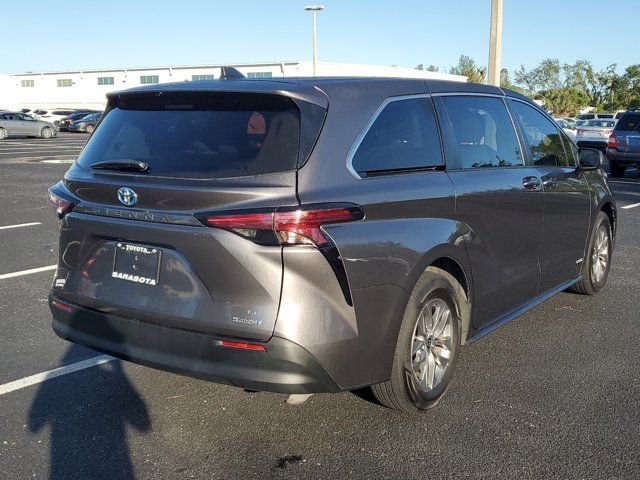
87	88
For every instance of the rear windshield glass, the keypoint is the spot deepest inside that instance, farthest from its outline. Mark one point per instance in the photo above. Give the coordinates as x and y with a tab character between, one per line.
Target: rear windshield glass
629	123
601	123
199	135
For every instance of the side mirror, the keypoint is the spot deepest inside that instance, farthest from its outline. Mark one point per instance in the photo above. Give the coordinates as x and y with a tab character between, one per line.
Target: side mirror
590	158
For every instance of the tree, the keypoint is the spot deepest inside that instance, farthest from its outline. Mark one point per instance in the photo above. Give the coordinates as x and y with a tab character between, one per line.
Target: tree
563	101
545	77
430	68
468	68
625	90
596	84
505	81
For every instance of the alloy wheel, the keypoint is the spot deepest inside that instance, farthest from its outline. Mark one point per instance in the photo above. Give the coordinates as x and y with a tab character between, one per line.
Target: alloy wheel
431	344
600	254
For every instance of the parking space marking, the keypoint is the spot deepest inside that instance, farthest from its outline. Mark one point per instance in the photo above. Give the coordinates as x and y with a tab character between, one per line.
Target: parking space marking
56	372
20	225
27	272
40	158
633	205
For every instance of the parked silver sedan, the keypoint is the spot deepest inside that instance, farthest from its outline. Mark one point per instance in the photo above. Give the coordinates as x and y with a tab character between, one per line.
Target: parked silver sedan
18	124
595	133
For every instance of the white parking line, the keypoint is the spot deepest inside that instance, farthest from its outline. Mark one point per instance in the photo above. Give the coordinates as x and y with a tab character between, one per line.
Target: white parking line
633	205
5	227
40	158
56	372
27	272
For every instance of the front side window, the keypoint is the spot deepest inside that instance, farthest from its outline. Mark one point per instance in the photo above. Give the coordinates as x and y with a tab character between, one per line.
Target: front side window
147	79
483	133
542	136
65	82
404	136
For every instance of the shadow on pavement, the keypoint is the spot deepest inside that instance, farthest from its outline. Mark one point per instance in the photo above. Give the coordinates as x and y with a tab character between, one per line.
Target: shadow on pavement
88	413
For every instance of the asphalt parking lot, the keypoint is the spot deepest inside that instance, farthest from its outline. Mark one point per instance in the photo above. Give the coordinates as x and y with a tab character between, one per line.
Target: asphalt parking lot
555	393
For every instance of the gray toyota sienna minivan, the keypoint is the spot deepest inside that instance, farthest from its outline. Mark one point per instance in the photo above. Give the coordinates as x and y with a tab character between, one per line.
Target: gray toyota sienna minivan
324	234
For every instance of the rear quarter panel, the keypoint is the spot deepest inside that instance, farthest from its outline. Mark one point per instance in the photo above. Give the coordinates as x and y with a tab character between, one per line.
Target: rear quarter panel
408	224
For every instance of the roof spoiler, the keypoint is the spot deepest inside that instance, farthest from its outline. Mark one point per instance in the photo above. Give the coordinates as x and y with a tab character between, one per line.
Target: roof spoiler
231	73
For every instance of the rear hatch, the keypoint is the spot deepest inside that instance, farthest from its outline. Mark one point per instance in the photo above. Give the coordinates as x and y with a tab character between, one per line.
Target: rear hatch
160	160
627	134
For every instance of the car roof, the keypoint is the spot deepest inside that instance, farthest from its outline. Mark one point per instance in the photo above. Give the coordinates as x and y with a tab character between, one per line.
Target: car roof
313	89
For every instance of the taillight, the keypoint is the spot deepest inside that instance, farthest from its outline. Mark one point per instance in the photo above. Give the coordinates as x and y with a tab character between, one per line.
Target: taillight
61	306
612	143
58	201
286	226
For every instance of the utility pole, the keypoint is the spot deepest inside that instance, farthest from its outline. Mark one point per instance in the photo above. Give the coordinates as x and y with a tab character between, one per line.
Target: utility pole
495	43
314	9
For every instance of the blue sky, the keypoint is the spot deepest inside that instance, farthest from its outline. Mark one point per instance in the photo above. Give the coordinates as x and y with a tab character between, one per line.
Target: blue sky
82	35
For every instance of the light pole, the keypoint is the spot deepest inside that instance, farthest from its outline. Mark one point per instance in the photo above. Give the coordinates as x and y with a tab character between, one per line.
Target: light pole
495	42
315	9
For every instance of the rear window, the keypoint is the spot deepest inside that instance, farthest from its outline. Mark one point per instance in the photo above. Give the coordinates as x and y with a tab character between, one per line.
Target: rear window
629	123
601	123
403	137
199	135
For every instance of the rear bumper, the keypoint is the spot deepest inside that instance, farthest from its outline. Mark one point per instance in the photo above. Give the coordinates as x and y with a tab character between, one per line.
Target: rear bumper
598	144
623	158
284	366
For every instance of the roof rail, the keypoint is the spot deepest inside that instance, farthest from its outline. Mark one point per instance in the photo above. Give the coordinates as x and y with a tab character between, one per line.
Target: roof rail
231	73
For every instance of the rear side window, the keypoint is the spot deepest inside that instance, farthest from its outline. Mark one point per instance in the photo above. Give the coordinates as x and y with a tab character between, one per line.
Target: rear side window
483	133
404	136
629	123
542	136
199	135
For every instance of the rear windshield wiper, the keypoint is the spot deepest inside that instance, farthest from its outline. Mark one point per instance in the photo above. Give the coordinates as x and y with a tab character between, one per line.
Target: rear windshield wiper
122	165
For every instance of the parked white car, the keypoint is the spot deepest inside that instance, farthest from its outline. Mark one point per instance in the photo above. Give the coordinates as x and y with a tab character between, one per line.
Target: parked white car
568	128
53	116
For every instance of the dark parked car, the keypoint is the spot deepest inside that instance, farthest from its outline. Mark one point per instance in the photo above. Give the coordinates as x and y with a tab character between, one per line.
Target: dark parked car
63	126
321	235
18	124
85	124
623	149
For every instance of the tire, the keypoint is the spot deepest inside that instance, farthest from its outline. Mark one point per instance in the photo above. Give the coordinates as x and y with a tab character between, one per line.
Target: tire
596	264
419	380
616	170
3	134
90	129
46	132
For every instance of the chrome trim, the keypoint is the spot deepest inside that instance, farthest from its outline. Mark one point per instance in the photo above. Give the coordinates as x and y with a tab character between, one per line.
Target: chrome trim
370	123
467	94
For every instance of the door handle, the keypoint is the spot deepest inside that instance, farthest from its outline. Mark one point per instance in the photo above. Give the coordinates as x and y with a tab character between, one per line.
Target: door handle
549	182
532	183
